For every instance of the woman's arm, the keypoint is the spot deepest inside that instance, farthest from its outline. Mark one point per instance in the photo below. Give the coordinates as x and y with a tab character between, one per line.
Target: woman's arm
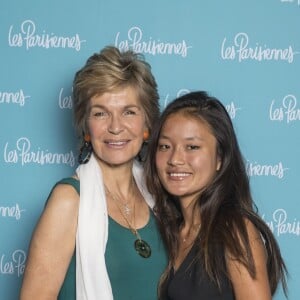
245	287
52	246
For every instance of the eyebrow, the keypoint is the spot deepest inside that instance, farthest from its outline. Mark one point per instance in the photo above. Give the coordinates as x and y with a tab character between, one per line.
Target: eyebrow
191	138
133	106
124	107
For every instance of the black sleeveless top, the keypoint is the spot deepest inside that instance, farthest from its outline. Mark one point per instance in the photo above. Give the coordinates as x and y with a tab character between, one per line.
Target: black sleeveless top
191	282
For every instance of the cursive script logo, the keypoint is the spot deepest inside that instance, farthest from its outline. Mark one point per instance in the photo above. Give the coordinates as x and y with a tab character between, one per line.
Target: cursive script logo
11	211
232	109
13	97
13	264
256	169
135	42
64	101
29	38
287	111
241	50
291	1
25	155
167	100
280	224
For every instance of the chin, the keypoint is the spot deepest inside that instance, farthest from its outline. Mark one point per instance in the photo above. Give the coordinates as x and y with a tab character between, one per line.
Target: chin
119	162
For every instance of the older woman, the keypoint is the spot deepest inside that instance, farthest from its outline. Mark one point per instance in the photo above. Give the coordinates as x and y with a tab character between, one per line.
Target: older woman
104	210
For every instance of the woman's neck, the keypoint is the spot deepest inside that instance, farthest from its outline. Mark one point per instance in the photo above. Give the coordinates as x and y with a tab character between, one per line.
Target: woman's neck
118	177
190	212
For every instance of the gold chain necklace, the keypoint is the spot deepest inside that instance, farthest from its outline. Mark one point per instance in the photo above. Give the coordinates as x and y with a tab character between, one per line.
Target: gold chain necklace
141	246
125	206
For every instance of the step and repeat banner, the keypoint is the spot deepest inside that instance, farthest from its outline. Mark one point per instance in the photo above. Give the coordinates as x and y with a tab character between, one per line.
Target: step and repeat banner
246	53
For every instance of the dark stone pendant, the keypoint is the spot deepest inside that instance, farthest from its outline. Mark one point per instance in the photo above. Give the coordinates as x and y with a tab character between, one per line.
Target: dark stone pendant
142	248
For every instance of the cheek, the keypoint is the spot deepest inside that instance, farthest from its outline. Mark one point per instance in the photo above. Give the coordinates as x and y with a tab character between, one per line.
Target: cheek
93	131
197	161
160	161
96	130
141	127
136	127
159	158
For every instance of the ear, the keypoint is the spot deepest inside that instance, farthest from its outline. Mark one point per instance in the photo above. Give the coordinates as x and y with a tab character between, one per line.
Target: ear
219	164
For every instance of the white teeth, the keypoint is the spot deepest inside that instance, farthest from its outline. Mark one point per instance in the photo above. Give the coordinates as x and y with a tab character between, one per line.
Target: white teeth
179	174
116	143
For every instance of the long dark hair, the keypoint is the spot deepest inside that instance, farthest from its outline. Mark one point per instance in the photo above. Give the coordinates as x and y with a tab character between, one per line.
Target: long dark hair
224	205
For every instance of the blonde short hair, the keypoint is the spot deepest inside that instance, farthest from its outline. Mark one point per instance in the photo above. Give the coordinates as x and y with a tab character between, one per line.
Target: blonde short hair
111	70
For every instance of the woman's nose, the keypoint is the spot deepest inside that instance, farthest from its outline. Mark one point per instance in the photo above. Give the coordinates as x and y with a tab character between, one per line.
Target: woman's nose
115	125
176	157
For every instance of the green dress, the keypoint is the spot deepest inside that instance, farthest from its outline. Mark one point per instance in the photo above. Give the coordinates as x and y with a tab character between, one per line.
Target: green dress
132	277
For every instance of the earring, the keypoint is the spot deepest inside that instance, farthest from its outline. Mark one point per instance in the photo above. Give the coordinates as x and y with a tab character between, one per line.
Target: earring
85	150
146	135
142	152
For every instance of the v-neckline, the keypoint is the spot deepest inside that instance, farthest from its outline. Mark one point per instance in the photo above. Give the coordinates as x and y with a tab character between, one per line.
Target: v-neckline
175	271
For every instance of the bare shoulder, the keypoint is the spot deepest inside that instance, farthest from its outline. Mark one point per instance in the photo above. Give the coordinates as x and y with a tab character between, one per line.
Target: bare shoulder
63	196
52	245
245	285
58	222
254	235
256	241
61	211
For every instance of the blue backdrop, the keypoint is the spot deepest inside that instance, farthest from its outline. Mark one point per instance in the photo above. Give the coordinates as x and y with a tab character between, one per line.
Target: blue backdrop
246	53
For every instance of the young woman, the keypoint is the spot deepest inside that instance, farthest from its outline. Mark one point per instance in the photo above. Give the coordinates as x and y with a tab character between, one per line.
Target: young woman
103	212
218	246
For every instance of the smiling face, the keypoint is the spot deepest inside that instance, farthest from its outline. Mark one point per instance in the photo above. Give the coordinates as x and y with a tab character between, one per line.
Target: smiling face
186	157
116	124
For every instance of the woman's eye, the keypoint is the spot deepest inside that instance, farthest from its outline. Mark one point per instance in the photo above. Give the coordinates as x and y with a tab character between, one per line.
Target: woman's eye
163	147
129	112
98	114
193	147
